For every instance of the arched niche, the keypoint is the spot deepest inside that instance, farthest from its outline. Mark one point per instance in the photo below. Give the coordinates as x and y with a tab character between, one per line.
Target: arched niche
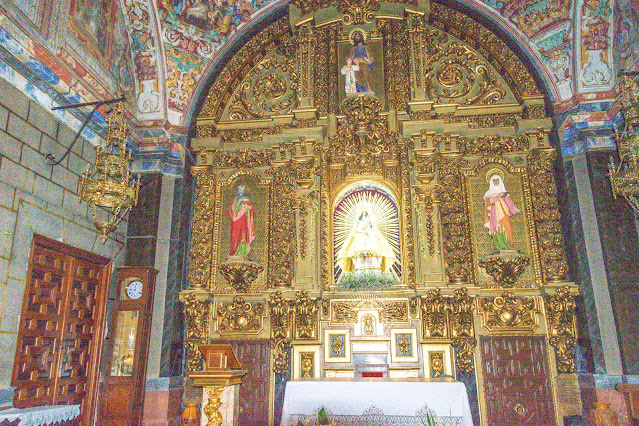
366	235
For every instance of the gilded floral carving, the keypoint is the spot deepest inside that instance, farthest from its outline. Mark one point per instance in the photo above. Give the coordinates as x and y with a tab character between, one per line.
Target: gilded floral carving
280	318
306	316
196	317
202	231
509	313
560	319
546	214
239	316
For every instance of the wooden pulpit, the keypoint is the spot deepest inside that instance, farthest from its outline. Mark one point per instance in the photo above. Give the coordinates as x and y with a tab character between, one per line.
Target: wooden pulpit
220	379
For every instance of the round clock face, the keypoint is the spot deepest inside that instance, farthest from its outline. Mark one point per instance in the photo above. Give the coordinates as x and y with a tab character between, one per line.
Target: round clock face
134	289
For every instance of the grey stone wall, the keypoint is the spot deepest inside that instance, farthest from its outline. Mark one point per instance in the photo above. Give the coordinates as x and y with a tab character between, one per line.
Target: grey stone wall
38	198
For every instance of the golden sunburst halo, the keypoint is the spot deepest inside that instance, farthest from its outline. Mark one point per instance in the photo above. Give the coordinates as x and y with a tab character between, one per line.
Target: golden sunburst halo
381	207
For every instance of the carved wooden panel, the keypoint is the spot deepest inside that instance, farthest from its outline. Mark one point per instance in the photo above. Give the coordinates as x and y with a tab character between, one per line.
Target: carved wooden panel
254	390
517	381
60	335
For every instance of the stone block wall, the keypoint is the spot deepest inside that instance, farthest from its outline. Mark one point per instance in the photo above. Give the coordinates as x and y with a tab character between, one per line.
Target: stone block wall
38	198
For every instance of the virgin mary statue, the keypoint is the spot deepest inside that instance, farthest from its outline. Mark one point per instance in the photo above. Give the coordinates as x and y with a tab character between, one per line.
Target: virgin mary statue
365	248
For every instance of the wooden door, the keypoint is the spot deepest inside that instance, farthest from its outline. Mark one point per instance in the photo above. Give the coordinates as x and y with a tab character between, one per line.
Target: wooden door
61	328
254	356
517	384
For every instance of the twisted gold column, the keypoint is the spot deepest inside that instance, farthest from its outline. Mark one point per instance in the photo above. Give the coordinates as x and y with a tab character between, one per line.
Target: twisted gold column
214	417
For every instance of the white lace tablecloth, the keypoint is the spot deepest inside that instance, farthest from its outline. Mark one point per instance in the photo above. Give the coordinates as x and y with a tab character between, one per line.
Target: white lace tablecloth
41	416
376	402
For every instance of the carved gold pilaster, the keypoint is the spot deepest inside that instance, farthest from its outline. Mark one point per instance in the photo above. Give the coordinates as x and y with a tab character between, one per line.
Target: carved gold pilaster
455	220
560	319
397	75
280	317
282	234
202	231
305	51
306	317
197	320
546	214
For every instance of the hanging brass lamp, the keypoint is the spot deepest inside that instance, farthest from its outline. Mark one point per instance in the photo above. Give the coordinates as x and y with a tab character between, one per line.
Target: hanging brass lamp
108	184
624	177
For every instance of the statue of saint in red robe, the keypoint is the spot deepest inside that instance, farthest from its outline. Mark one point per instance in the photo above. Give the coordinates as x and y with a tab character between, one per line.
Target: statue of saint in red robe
241	213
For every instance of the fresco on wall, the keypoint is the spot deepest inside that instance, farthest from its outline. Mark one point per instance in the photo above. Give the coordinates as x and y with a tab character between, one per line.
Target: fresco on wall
595	45
533	16
626	35
193	31
92	21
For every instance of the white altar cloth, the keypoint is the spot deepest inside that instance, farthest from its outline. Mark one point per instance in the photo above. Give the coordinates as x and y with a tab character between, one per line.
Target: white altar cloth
375	401
40	416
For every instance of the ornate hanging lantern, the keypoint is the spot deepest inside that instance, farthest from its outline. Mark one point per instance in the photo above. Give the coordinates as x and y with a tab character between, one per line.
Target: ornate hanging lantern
624	177
109	184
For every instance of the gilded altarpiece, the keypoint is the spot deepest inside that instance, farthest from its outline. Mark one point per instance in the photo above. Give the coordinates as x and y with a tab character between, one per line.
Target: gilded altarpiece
374	182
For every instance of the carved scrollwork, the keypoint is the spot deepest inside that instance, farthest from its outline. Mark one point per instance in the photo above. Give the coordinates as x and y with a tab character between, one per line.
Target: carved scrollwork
560	318
241	158
434	315
270	88
493	144
357	11
240	274
455	73
505	269
306	316
461	314
447	317
509	313
391	311
464	354
280	318
363	141
546	214
196	317
239	316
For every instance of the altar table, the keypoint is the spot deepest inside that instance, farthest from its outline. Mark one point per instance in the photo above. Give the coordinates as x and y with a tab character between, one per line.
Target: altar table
40	416
376	402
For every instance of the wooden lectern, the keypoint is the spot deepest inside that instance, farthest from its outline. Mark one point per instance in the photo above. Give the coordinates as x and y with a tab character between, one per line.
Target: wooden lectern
221	370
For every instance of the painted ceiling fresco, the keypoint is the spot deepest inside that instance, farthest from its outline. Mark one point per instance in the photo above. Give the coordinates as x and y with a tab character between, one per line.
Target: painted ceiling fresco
159	52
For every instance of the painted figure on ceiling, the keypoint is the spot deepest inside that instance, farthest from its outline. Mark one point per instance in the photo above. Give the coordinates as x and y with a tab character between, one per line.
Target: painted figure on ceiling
498	209
362	58
365	248
241	213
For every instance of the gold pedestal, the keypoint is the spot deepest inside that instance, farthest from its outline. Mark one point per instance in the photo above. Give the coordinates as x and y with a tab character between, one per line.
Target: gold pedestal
221	371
